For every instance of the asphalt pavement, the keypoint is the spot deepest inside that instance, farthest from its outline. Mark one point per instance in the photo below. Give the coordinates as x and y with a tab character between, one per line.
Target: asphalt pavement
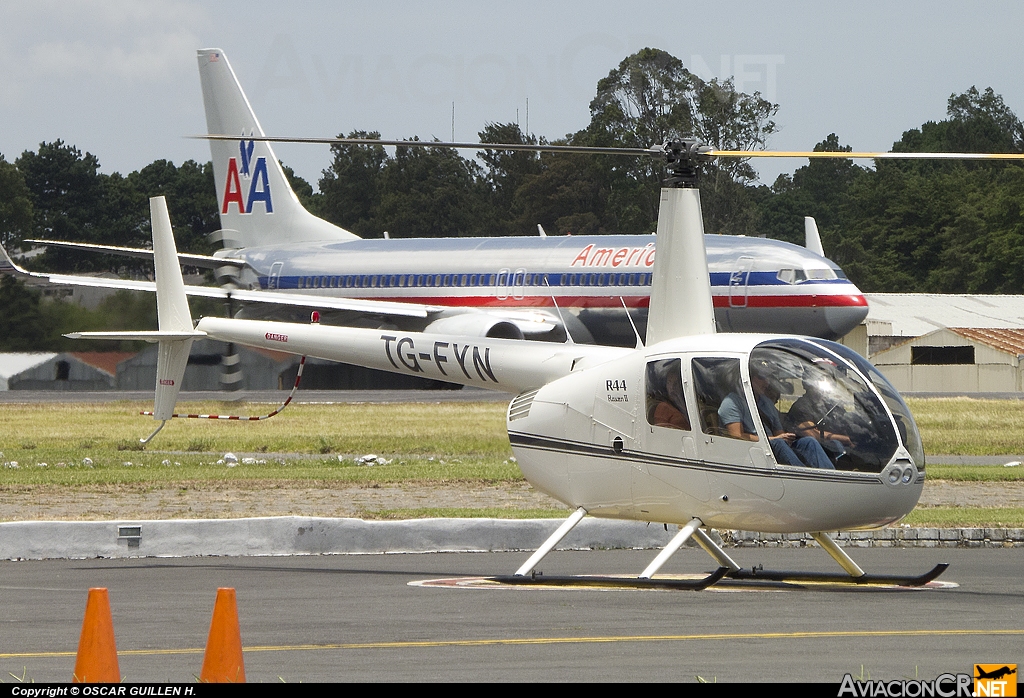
357	618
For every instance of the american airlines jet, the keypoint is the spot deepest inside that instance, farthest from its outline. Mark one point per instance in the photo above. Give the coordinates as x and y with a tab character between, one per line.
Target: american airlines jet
513	287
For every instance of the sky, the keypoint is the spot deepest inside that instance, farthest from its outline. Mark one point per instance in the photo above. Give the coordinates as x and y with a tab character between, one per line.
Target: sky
119	79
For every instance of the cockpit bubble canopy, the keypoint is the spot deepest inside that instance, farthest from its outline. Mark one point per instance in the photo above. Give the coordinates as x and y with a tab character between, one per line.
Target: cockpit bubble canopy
827	395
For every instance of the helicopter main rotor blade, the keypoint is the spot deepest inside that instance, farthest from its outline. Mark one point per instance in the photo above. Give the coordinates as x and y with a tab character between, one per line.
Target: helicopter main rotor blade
585	150
655	150
842	155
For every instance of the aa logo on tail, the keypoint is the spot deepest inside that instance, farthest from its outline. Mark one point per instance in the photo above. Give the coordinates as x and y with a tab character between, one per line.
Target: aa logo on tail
256	173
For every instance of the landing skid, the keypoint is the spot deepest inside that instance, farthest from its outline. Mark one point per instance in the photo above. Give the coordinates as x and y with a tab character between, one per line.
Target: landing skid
728	570
757	574
614	582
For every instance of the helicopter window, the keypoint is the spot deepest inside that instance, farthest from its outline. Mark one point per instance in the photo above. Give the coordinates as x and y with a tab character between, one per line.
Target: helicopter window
908	430
826	415
666	405
720	398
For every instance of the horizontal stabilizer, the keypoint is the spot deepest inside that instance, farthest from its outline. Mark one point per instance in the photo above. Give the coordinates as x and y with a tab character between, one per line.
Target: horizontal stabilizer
140	336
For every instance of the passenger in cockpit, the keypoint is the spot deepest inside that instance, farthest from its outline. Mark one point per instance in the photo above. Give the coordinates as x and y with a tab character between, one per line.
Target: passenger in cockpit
816	416
788	448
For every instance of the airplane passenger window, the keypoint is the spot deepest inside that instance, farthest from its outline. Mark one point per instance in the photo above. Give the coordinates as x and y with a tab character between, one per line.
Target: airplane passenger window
720	399
666	403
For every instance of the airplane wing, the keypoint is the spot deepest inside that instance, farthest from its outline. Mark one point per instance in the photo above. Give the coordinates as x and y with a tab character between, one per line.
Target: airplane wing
529	322
7	265
193	260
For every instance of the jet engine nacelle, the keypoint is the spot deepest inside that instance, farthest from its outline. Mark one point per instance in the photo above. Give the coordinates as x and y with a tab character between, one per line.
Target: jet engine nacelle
648	436
475	325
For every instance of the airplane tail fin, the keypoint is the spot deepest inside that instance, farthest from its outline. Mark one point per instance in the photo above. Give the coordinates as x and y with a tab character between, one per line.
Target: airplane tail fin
812	240
257	205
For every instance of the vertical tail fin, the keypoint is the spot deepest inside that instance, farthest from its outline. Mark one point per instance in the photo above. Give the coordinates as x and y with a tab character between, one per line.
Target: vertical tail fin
172	313
176	333
255	199
812	240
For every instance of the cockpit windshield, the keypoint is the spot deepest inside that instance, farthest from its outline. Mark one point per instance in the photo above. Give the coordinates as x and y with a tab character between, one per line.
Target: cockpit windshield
818	411
909	432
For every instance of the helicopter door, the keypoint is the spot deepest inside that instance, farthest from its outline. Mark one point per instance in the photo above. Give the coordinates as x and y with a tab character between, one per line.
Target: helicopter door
273	280
667	436
738	283
731	440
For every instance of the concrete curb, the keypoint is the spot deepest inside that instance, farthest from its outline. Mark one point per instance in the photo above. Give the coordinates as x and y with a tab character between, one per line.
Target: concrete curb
297	535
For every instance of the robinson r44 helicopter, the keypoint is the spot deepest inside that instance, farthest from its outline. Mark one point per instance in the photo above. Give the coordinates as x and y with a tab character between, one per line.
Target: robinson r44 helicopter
773	433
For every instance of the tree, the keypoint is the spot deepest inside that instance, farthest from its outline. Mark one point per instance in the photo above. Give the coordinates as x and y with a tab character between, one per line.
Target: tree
21	324
15	205
191	201
506	172
350	188
431	192
651	98
67	193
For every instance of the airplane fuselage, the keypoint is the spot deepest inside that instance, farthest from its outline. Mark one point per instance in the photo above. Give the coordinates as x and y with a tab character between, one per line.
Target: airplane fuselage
757	284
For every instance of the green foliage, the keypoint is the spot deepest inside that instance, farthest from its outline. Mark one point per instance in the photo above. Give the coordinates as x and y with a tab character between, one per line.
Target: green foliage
431	192
21	323
16	212
350	188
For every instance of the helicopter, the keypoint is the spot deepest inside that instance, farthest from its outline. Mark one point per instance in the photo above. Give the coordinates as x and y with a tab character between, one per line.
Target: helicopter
762	432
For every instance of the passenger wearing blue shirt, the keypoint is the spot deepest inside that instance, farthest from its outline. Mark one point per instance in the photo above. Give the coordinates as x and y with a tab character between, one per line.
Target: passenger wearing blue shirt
734	415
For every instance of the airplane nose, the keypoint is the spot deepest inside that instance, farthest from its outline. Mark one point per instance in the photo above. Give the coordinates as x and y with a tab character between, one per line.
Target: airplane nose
843	319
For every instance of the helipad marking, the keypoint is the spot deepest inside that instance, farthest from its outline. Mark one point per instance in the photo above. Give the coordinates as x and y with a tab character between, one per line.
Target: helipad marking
798	635
726	586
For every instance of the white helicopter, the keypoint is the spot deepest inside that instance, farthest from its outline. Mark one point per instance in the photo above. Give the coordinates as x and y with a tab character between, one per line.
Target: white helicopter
682	429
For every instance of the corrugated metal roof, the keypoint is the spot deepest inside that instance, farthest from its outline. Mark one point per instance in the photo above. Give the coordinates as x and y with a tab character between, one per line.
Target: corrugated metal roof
105	361
16	362
1009	340
916	314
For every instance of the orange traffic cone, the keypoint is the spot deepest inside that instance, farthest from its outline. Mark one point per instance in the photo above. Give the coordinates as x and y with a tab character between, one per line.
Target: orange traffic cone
222	662
97	651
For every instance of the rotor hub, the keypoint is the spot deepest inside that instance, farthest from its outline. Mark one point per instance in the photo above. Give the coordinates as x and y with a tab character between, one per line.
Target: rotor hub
683	158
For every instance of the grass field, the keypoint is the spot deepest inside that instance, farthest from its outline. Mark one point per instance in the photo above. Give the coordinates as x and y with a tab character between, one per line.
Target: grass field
88	445
968	427
425	442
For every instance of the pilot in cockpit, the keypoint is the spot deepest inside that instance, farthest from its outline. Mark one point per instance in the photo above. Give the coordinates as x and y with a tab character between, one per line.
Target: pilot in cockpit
817	415
789	449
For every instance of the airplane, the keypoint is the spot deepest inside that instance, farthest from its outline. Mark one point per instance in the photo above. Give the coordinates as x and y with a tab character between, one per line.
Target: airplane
514	287
638	433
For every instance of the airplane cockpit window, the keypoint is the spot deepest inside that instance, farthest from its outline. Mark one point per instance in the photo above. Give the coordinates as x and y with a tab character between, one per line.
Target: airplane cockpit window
720	400
666	404
817	410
